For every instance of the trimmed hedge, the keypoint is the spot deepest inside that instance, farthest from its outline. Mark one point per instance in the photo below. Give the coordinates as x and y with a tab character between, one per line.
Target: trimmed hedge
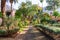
48	28
57	25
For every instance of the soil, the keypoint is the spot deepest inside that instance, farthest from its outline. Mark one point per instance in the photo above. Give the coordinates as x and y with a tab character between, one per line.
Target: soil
29	33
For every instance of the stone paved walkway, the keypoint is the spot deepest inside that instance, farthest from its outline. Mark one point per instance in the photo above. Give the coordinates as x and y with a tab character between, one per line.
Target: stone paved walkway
29	33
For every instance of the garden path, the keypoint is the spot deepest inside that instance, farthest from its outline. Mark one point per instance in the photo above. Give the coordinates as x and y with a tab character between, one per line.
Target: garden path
29	33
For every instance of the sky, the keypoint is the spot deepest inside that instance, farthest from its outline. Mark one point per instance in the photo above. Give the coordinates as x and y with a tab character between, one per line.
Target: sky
15	6
39	3
36	2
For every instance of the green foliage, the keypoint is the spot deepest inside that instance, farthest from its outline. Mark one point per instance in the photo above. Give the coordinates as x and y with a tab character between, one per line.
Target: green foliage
11	24
27	12
22	14
55	13
41	0
59	15
24	9
54	3
0	14
44	17
49	28
56	24
10	27
2	32
49	8
18	14
28	3
36	21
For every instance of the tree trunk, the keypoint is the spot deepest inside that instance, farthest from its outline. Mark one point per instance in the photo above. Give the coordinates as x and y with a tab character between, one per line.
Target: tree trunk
3	11
54	6
12	12
42	7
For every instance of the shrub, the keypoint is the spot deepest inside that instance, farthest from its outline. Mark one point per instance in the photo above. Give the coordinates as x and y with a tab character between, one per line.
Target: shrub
44	18
55	13
0	14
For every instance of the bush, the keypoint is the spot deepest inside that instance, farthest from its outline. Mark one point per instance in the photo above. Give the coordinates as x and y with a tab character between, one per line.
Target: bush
0	14
56	24
52	29
10	27
59	15
55	13
2	32
44	18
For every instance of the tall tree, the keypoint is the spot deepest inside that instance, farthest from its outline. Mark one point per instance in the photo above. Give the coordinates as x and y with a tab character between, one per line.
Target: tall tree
55	13
54	3
42	3
11	1
3	2
49	8
27	10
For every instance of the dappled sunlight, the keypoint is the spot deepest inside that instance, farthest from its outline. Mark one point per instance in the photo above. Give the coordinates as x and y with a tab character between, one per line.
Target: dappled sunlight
29	20
30	34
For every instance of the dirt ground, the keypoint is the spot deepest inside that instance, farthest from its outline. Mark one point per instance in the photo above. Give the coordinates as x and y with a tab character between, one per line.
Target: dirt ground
29	33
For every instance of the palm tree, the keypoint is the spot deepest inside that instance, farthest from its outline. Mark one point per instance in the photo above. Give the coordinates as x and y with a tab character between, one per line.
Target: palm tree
11	1
3	2
42	4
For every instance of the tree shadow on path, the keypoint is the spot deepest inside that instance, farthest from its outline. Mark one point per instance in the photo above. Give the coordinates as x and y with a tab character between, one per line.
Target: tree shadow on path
31	33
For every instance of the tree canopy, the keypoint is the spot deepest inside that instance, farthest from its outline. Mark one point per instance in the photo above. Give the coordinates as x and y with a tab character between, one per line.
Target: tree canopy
54	3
